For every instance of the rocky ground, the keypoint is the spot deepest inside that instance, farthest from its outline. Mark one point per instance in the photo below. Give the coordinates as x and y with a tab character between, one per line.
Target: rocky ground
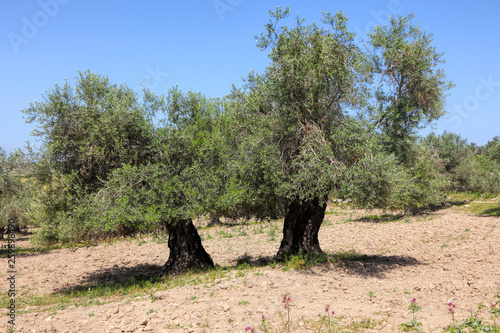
377	269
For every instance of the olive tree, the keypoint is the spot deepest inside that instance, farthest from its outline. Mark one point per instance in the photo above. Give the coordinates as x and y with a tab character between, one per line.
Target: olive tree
189	177
317	76
87	130
108	170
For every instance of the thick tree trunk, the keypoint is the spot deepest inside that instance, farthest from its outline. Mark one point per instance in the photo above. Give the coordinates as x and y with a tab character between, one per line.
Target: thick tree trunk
214	219
186	250
301	227
411	211
2	231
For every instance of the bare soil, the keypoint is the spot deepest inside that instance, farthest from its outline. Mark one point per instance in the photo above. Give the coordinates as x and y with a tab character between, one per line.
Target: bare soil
436	258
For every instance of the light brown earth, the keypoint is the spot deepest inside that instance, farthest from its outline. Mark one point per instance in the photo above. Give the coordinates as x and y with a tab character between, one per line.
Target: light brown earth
436	258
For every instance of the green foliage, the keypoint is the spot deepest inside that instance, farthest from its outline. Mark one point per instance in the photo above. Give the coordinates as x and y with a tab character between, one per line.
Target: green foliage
298	103
493	149
381	181
49	208
316	74
91	128
190	175
88	130
409	85
376	181
470	168
479	173
15	184
429	182
451	148
296	139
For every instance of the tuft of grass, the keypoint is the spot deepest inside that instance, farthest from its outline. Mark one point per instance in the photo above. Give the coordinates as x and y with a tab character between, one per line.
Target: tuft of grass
224	234
159	240
303	261
242	232
463	197
365	323
482	208
259	230
272	233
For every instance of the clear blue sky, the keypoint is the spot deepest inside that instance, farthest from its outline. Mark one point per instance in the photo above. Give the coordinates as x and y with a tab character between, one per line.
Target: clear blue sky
207	45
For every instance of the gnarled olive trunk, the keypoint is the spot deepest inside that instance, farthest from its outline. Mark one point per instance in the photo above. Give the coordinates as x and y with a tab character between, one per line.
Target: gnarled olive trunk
214	220
301	227
186	250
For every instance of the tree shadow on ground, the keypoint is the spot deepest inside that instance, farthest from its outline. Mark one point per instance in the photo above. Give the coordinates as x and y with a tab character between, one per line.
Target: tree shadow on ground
21	252
370	265
116	280
122	280
384	218
491	212
350	262
120	274
423	211
248	260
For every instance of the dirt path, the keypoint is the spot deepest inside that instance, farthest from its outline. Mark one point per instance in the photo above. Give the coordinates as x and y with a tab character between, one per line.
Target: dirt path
439	258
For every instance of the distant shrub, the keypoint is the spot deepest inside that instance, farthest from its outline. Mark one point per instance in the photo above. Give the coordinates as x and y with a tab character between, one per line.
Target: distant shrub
48	208
450	147
479	173
429	181
381	181
14	188
494	151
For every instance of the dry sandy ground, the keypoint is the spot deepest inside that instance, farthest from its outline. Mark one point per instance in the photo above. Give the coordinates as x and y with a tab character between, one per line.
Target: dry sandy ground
442	257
